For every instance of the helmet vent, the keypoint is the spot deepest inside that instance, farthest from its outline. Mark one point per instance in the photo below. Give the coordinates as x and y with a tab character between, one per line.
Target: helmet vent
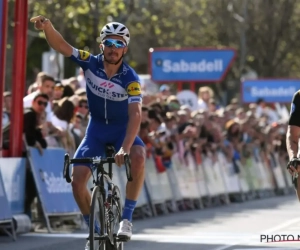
115	26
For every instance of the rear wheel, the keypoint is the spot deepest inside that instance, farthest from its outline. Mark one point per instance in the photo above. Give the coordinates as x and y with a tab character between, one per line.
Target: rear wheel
97	216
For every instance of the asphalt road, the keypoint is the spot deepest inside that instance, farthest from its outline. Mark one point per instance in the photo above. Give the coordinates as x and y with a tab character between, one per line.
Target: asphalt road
231	227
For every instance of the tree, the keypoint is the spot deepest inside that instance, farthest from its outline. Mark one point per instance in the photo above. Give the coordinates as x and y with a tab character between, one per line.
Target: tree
271	29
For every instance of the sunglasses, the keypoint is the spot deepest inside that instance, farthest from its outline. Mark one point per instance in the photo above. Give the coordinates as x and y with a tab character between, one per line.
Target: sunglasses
112	42
59	88
40	103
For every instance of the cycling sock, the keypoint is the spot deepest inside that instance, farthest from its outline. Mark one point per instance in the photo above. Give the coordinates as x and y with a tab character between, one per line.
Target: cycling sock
87	221
128	209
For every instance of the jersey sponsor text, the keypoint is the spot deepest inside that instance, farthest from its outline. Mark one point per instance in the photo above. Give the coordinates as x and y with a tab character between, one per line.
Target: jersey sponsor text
135	99
134	88
106	89
83	55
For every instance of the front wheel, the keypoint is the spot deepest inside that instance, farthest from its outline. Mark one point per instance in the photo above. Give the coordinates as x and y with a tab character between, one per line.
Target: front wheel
116	209
97	215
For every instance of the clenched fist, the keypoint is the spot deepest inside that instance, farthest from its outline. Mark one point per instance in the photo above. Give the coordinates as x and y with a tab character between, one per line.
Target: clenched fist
40	22
119	157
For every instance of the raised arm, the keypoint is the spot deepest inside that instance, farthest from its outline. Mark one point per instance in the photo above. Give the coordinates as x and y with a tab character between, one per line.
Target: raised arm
54	38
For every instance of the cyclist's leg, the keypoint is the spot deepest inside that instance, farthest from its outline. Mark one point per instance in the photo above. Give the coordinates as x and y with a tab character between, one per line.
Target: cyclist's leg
133	189
89	147
137	157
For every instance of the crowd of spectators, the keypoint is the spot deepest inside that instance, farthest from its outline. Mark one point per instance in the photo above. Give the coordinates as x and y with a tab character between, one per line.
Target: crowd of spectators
237	130
56	114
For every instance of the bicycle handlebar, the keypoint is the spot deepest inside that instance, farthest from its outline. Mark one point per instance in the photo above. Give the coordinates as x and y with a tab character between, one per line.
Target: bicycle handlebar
93	161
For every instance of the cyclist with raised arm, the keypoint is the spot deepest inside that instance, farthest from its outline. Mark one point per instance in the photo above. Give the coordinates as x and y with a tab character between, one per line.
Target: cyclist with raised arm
114	99
292	141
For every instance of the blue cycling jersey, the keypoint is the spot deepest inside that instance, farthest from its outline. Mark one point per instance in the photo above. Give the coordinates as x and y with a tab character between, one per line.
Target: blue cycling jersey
108	99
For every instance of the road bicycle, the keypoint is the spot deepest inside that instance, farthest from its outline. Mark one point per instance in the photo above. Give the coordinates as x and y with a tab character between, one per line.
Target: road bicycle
105	207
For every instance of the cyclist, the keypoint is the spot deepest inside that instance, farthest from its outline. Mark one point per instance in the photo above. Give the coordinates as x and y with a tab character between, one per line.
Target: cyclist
114	99
292	141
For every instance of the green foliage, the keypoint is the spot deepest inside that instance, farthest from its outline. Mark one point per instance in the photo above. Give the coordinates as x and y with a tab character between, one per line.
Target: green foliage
272	29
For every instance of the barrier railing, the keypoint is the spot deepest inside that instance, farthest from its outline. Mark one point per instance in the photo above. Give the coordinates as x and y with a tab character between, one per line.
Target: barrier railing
189	182
55	194
6	219
13	173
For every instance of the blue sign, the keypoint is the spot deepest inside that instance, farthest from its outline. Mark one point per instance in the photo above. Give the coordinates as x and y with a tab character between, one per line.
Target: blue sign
198	65
54	192
13	172
270	90
5	213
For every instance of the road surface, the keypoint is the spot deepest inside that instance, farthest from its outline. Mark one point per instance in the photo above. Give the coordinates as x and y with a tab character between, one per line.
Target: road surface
231	227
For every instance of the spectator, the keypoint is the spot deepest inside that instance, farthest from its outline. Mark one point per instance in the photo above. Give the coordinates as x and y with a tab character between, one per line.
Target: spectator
6	119
58	90
145	114
77	129
187	109
164	91
186	128
262	109
229	112
212	105
62	115
145	128
32	121
204	95
240	114
234	103
74	99
34	87
155	123
173	103
73	83
6	108
51	139
80	92
46	85
33	118
68	91
80	79
83	110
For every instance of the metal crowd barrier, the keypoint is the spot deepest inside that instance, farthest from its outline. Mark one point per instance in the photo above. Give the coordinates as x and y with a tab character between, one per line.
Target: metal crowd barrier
188	183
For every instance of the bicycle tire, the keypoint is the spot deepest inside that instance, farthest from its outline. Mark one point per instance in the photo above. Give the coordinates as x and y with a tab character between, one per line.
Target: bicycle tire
116	207
97	197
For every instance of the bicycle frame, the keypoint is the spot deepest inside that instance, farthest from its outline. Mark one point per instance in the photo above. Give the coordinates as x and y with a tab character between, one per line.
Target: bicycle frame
104	177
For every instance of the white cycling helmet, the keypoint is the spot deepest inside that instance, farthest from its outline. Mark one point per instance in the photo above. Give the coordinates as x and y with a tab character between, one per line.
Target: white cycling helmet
117	29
